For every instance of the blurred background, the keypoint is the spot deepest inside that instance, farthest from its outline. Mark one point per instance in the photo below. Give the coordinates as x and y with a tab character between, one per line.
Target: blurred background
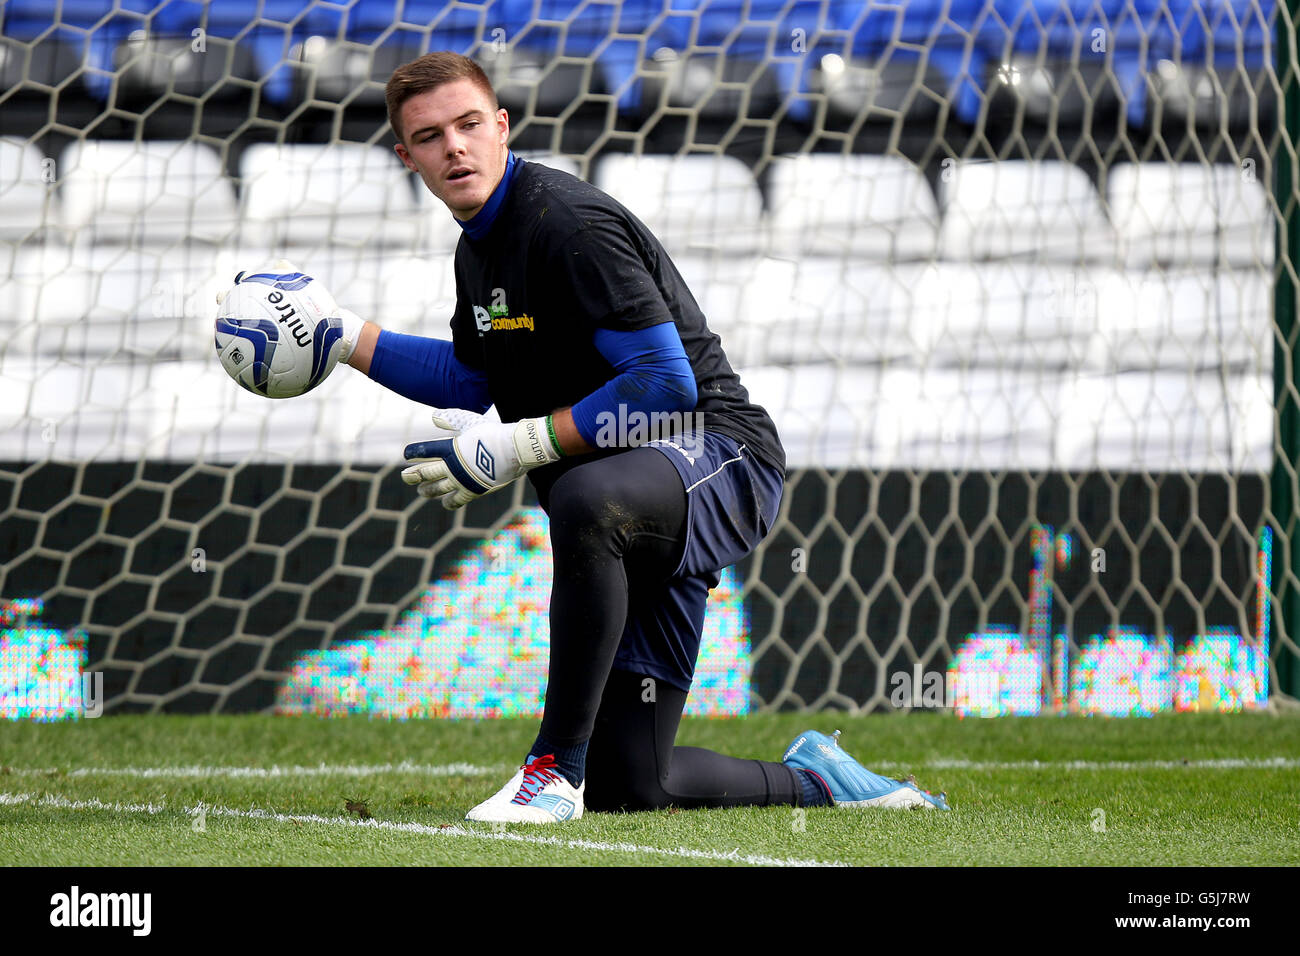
1012	278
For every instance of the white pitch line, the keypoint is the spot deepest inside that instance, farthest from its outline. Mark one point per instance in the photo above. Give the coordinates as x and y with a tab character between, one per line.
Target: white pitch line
472	770
63	803
1221	763
320	770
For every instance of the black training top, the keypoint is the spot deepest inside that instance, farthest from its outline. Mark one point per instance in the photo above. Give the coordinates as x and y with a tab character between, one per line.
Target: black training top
561	260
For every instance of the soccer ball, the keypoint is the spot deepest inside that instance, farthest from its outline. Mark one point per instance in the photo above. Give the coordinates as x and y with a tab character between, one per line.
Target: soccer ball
278	333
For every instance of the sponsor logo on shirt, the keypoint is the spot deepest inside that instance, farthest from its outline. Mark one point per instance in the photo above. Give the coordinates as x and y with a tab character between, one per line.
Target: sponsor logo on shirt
513	322
487	320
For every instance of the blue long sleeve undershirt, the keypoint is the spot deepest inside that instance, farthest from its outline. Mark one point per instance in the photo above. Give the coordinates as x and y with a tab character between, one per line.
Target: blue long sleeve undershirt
654	375
427	371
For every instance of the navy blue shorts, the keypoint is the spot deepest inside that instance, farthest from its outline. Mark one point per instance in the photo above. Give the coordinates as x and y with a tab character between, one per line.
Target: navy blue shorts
732	501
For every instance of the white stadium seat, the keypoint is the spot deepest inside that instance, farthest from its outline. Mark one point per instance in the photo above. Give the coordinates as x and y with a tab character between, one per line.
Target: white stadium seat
1003	314
825	414
24	194
895	417
967	418
771	311
692	203
68	409
878	416
402	292
195	410
107	300
157	192
1179	421
1188	214
879	207
439	232
1038	211
312	196
1189	319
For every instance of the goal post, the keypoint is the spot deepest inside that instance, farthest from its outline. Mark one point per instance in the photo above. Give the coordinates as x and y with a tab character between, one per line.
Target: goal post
1016	281
1285	496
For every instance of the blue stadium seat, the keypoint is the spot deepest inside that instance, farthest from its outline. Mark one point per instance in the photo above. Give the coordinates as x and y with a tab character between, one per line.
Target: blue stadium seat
93	28
762	43
269	29
1071	57
1175	42
582	28
84	14
943	28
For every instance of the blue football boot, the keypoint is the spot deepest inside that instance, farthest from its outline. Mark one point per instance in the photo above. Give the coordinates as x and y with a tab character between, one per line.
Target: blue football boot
850	783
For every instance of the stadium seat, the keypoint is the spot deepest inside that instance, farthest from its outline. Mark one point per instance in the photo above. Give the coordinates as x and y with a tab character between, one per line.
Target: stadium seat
25	196
771	311
1183	319
55	58
1189	214
879	207
263	31
91	28
151	192
348	72
952	36
1041	211
967	419
689	202
31	71
399	290
535	83
317	195
823	413
1212	68
614	37
719	87
109	301
193	410
1001	315
873	416
439	232
153	67
64	407
1177	421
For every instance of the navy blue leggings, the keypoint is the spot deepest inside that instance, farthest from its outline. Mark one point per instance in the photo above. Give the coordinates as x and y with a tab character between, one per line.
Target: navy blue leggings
618	527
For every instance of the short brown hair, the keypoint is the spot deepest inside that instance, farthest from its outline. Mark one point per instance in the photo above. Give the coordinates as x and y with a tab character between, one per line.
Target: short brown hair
428	73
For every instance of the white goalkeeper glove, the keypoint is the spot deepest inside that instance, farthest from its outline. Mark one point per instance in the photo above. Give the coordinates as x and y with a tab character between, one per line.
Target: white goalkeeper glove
472	458
352	323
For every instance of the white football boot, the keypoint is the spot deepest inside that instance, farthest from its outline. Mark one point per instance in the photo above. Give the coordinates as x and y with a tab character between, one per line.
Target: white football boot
537	793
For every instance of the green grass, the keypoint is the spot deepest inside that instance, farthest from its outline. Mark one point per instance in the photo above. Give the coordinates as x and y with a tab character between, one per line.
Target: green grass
1023	815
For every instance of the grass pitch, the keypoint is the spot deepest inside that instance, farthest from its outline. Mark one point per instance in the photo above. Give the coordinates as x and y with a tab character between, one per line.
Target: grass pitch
266	791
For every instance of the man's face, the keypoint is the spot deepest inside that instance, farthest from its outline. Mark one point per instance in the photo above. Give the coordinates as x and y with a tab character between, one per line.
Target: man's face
456	141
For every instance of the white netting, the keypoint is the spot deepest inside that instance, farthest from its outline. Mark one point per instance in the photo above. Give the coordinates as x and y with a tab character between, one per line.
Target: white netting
1002	273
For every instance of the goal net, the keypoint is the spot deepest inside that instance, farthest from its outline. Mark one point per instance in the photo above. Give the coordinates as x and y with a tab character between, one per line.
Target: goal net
1005	274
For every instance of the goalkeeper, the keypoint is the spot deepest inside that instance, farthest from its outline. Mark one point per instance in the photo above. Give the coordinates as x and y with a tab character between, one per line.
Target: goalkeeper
571	319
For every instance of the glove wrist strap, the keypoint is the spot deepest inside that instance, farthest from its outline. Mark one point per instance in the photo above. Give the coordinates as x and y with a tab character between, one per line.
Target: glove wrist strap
534	442
352	326
555	440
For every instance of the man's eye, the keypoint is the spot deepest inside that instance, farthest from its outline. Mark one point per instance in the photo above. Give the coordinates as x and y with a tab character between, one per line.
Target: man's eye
429	138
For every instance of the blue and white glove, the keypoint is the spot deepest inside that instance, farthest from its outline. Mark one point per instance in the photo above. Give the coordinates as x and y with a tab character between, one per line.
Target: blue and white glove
472	458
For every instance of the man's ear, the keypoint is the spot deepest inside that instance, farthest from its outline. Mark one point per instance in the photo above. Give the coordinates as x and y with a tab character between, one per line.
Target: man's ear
405	157
503	125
